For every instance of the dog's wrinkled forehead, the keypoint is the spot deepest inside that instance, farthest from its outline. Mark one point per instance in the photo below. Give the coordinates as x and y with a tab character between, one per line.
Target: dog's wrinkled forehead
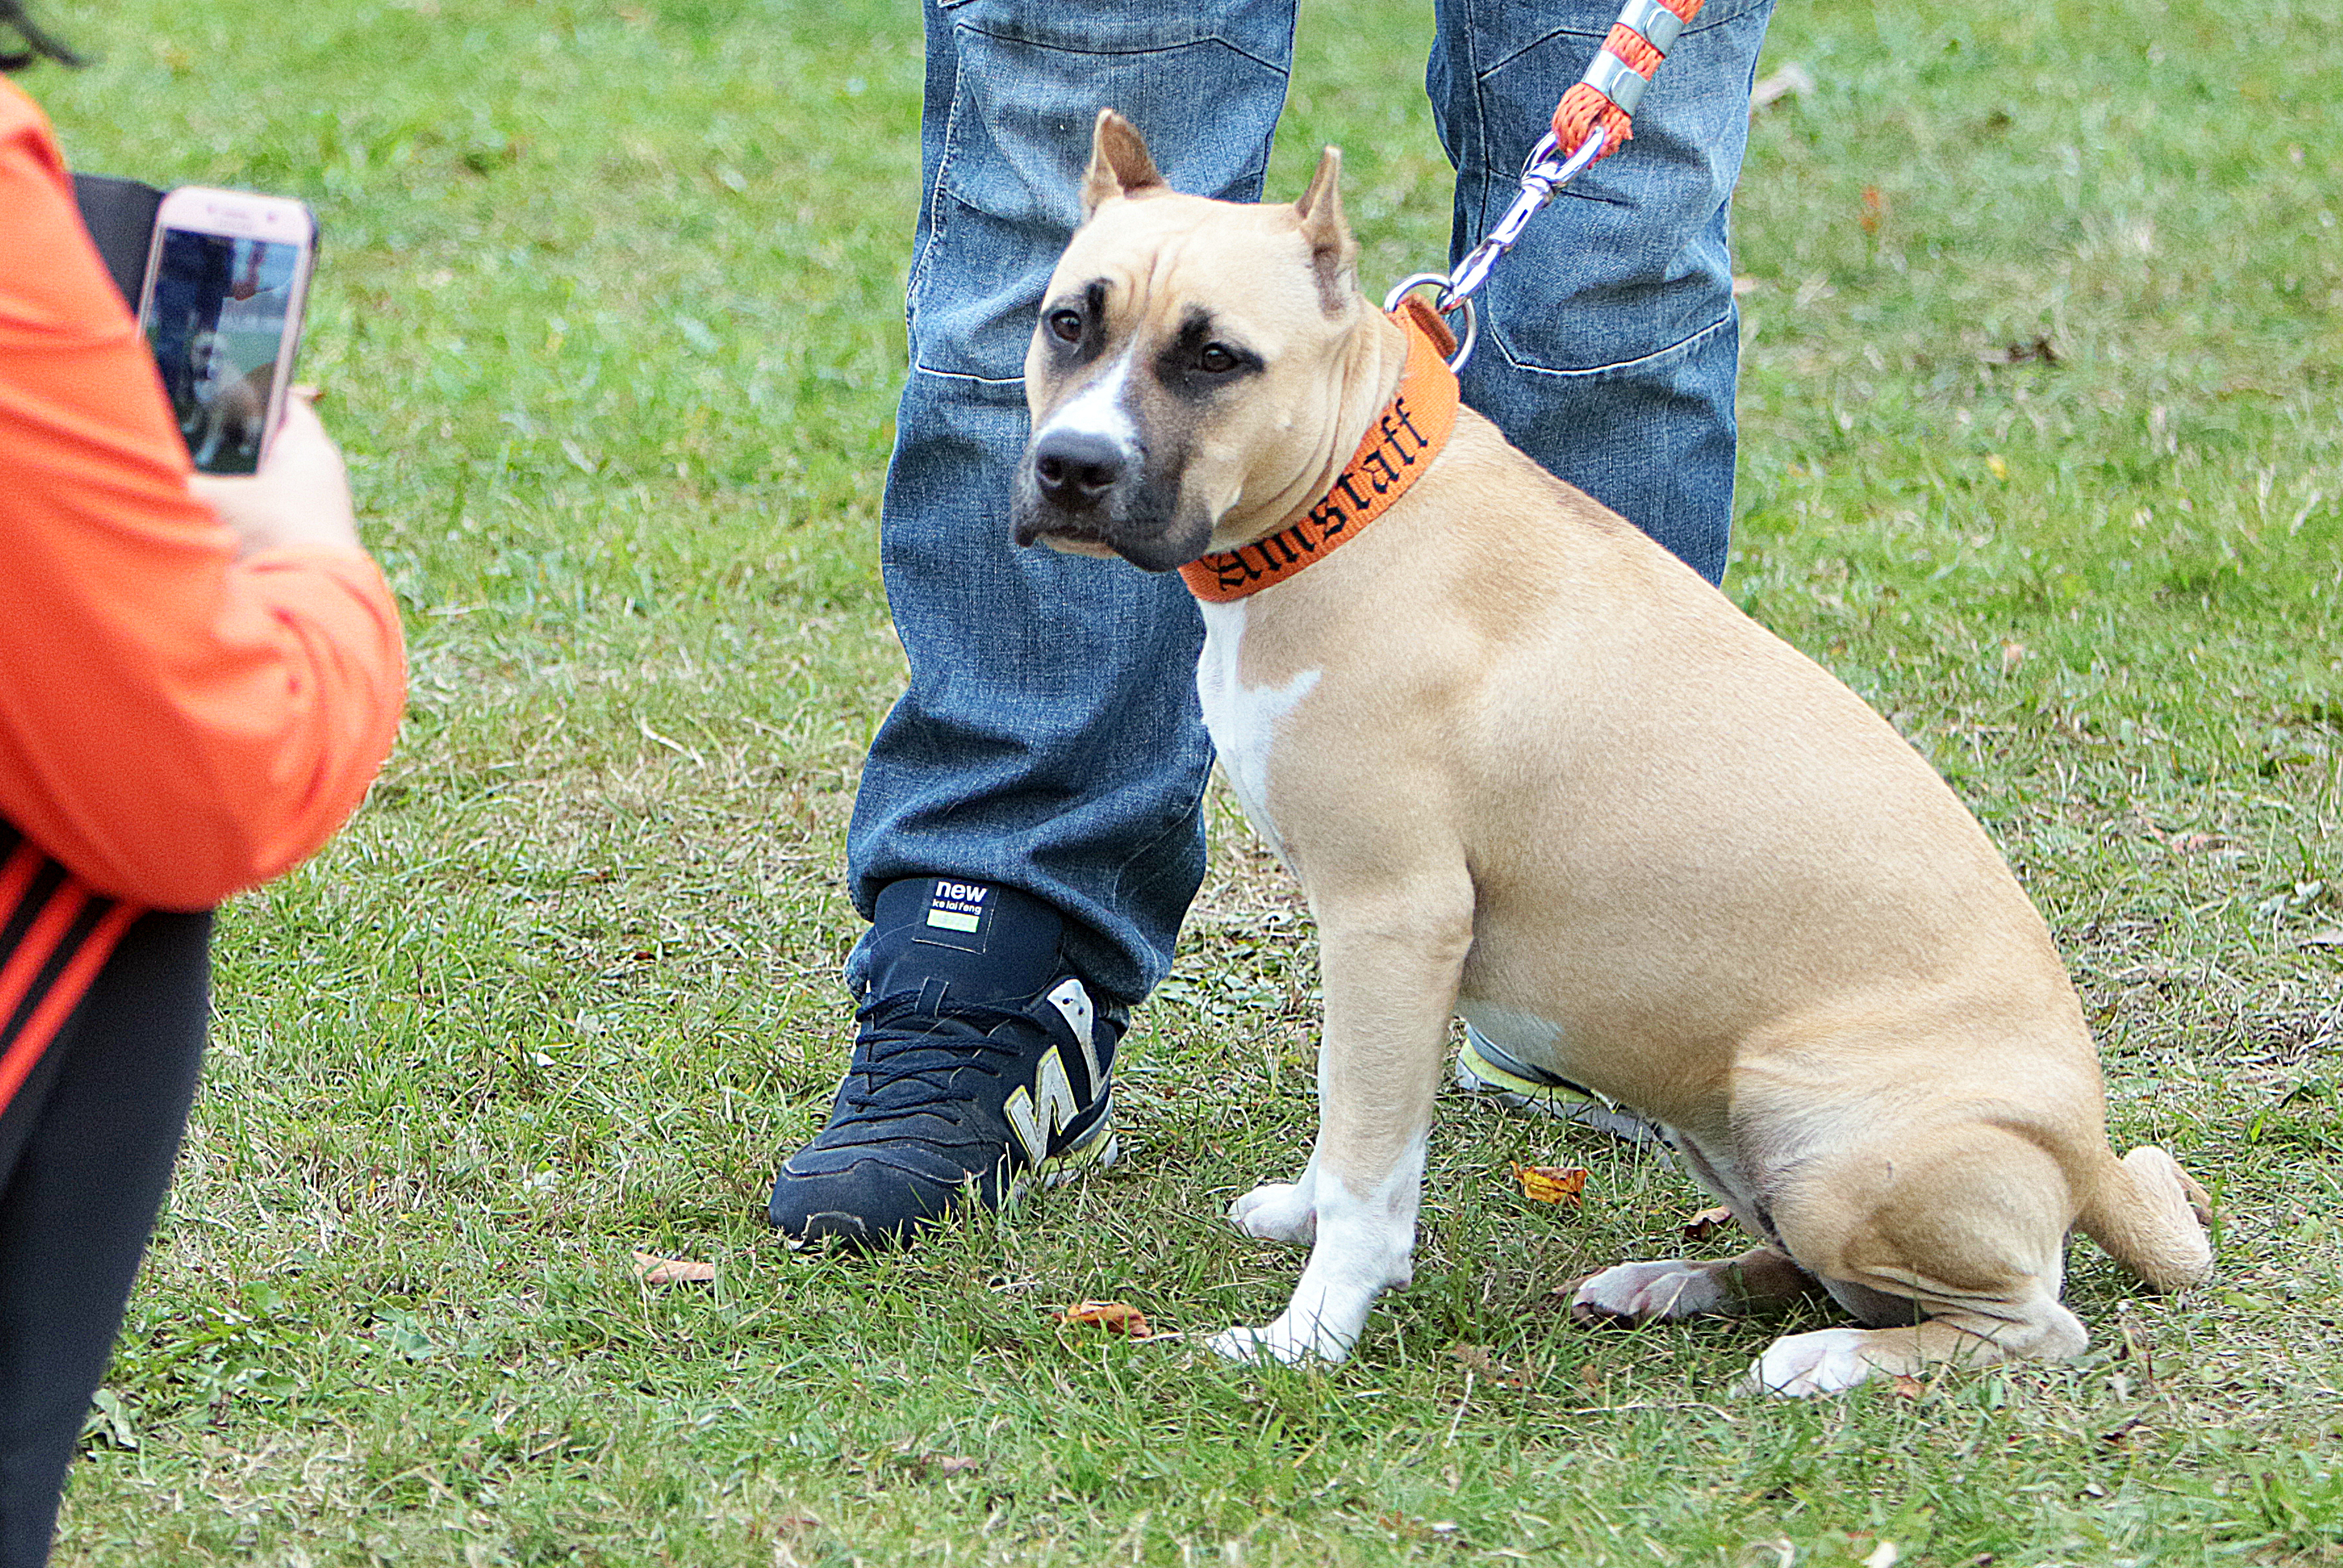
1178	265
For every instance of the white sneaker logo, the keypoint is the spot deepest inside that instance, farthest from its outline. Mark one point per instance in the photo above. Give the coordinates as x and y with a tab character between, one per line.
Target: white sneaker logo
957	905
1074	1005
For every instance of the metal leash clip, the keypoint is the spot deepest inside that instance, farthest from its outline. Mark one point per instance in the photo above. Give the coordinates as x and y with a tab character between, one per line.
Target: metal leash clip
1542	174
1594	116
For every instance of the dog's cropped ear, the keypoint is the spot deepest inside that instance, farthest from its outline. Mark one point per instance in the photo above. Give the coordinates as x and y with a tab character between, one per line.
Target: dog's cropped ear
1119	163
1333	254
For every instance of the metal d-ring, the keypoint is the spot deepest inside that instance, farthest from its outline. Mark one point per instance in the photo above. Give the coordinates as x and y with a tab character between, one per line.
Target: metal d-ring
1447	303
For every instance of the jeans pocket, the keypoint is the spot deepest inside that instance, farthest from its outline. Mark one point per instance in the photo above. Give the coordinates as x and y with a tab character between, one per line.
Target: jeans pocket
1203	83
1605	293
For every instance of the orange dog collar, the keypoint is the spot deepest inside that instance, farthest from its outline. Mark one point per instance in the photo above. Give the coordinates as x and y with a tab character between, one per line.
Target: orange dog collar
1398	447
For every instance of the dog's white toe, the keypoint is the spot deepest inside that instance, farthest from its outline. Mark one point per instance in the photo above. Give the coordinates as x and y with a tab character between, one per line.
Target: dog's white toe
1279	1342
1649	1292
1277	1211
1799	1366
1241	1344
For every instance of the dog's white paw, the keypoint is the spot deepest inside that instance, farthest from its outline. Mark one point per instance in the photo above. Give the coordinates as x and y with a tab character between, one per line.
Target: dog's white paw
1277	1211
1280	1342
1359	1248
1649	1292
1799	1366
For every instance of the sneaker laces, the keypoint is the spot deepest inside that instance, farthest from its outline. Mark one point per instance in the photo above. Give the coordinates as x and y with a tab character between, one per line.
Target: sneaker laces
901	1044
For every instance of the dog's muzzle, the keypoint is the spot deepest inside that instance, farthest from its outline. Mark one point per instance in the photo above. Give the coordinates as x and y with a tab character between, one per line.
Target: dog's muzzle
1084	491
1075	470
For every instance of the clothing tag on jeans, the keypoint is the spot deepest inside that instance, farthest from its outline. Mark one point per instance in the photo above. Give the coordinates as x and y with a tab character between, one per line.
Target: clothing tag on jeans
959	914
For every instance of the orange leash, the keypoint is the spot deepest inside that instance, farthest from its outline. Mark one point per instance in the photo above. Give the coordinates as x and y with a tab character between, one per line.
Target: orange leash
1589	124
1607	96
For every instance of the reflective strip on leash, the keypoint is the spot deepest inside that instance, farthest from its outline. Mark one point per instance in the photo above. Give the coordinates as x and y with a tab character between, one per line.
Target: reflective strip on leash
1607	95
1654	22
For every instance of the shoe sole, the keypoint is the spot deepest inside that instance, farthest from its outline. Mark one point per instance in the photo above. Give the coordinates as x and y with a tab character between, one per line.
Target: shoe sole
1509	1085
1094	1151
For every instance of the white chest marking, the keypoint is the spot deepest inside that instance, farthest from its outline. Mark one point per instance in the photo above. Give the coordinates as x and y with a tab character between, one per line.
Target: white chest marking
1243	719
1101	409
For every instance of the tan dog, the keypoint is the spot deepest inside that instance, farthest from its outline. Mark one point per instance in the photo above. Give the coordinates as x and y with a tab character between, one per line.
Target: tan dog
1531	769
233	421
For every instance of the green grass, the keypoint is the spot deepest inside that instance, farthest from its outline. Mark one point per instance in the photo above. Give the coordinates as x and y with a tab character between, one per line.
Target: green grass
609	319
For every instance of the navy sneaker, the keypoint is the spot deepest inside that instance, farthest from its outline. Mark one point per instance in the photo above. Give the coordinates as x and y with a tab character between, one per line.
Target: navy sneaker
980	1066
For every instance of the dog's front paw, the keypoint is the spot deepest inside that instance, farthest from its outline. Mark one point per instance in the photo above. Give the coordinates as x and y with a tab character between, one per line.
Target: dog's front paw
1280	1342
1648	1292
1799	1366
1278	1212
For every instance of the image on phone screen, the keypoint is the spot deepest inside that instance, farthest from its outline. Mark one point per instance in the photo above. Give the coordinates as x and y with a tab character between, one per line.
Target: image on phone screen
220	309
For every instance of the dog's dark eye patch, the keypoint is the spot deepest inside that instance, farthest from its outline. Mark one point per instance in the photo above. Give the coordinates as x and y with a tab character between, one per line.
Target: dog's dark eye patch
1200	360
1075	325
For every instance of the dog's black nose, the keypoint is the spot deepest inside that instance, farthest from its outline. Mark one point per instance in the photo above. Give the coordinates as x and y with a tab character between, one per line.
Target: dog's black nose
1075	467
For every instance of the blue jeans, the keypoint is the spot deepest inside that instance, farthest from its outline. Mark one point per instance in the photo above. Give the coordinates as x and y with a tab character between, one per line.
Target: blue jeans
1049	737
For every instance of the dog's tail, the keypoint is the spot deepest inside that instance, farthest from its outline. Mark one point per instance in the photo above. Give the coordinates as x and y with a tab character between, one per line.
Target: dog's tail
2150	1216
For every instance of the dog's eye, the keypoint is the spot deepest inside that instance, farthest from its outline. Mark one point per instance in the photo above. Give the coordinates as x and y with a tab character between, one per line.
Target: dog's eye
1066	325
1214	359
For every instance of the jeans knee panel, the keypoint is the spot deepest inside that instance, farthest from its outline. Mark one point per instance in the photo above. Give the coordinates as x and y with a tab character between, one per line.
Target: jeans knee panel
1203	84
1631	259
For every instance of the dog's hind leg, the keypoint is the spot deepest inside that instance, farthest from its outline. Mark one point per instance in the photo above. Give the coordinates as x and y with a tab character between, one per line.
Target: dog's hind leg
1950	1256
1389	967
1761	1280
1830	1361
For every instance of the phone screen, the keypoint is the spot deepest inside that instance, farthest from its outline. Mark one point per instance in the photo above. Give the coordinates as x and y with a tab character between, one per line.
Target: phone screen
216	321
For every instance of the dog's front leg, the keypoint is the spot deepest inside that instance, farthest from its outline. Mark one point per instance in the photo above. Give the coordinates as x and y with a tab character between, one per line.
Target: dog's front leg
1389	971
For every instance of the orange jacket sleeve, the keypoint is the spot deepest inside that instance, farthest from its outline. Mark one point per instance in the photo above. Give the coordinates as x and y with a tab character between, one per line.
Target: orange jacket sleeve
175	724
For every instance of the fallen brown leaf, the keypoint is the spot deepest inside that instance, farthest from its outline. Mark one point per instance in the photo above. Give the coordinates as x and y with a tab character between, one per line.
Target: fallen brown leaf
653	1270
1115	1317
1553	1183
1906	1386
1707	1223
2195	843
1418	1529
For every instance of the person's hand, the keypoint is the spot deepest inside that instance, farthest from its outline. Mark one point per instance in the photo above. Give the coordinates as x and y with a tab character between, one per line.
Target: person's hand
301	496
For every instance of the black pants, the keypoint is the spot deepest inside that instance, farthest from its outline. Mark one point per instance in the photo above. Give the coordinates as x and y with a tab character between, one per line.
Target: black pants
85	1153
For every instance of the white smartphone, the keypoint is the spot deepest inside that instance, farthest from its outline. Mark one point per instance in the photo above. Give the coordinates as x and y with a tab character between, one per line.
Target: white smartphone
228	279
